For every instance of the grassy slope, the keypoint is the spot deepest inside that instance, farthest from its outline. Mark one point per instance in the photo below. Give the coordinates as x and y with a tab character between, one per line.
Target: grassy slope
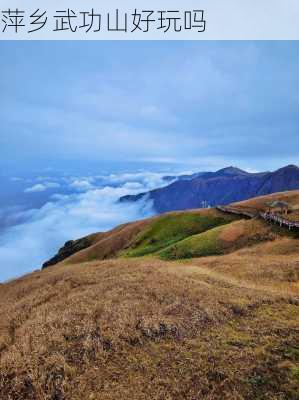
172	228
218	328
150	235
259	203
220	240
215	328
172	235
204	244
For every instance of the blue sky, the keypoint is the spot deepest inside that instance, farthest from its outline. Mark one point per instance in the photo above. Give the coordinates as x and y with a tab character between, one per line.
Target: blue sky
205	104
76	117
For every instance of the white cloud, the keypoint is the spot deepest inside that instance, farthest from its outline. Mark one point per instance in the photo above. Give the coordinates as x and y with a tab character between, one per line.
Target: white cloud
140	180
133	186
26	246
251	170
41	187
81	185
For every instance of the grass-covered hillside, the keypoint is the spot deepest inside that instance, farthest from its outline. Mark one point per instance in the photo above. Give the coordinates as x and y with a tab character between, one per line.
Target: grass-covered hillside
213	328
149	236
181	235
173	228
117	320
219	240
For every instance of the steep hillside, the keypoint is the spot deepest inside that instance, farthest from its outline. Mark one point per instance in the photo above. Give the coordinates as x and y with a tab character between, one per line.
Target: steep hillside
221	328
99	246
182	234
222	187
143	237
220	240
260	203
116	320
172	228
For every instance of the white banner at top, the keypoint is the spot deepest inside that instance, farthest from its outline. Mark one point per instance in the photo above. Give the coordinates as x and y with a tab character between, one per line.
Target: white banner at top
149	20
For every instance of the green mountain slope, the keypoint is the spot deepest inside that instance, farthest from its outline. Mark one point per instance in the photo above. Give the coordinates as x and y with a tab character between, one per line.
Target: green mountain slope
172	228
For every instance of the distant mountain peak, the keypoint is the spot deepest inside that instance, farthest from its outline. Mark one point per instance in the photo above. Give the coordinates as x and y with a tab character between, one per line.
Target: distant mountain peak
223	187
289	167
231	171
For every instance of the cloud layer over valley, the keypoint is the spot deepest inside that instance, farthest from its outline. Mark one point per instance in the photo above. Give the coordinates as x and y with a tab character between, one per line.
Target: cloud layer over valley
91	205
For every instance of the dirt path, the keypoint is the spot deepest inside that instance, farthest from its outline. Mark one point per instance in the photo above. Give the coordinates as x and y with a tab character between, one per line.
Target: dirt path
218	279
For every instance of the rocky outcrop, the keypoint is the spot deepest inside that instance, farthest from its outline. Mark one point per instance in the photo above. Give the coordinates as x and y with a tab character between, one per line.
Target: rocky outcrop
70	247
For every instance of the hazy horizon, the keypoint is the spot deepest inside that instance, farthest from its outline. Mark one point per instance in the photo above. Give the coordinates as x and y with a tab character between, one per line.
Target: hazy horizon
83	123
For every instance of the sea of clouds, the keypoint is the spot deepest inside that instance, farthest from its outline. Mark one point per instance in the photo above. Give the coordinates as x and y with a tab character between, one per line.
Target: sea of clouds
76	206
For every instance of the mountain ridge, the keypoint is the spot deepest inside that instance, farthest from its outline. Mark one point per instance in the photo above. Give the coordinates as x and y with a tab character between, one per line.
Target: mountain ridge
174	234
222	187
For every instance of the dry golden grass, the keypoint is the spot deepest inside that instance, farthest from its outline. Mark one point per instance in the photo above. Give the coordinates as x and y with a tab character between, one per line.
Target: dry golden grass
218	328
117	241
107	245
213	328
244	233
259	203
153	235
294	215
